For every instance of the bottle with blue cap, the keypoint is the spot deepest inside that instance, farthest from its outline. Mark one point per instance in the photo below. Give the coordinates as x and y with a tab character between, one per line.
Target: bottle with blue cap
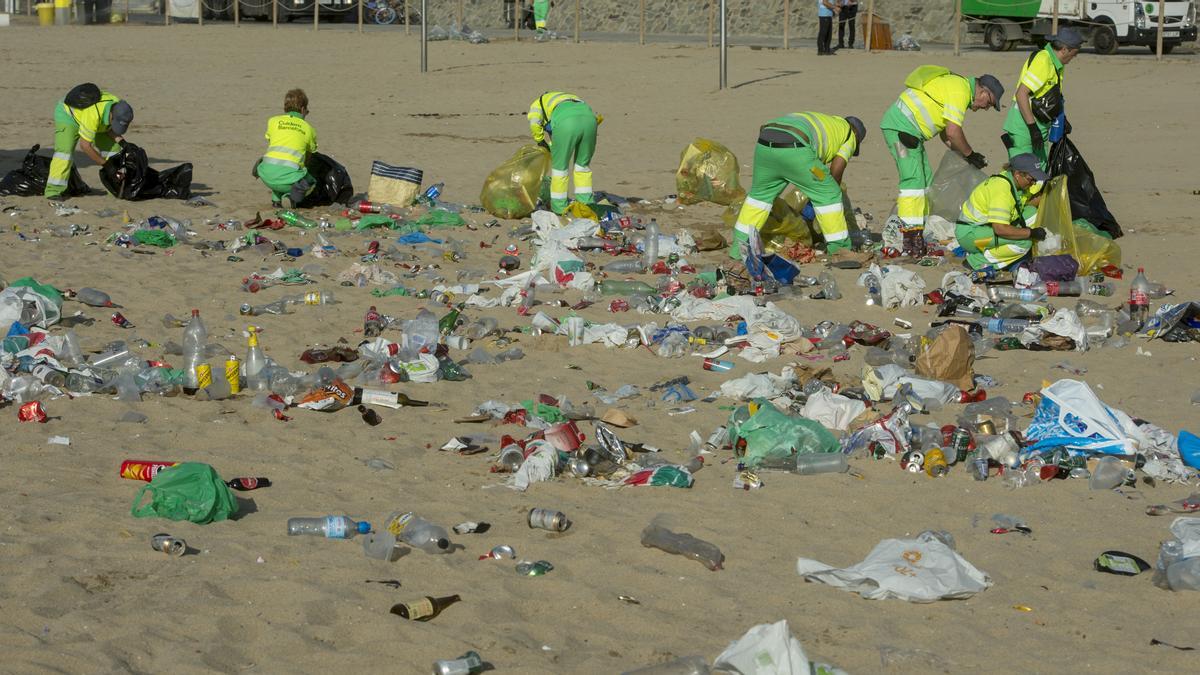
330	527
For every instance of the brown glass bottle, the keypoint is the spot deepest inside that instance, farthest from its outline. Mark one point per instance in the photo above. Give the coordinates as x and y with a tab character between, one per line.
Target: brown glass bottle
424	609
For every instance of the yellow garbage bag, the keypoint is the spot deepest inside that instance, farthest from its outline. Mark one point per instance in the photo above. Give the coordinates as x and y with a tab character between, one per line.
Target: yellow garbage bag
511	191
784	225
708	172
1090	249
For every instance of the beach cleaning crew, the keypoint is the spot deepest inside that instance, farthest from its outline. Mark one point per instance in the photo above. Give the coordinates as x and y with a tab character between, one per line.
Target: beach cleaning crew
541	10
809	150
934	103
1039	97
565	125
993	227
95	120
290	141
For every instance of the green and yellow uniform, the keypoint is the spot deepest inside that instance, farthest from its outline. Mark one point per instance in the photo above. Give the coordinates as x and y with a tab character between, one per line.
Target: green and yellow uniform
922	114
541	10
994	201
1040	74
569	126
290	140
798	149
71	125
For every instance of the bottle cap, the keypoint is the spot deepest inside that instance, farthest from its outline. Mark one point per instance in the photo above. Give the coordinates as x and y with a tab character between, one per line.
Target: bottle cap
364	527
443	543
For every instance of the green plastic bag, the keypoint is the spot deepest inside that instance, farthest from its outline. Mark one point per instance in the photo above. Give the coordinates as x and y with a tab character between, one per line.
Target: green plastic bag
159	238
440	218
190	491
771	434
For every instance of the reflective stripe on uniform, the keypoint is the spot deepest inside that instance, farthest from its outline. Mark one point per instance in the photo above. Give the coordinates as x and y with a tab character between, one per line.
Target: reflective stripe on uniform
914	107
284	150
65	156
56	181
281	162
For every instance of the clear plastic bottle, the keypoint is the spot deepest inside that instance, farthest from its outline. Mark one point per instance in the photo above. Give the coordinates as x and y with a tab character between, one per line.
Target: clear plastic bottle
255	362
680	543
195	339
421	331
871	282
1139	298
650	248
481	328
630	266
330	527
1002	293
93	297
418	532
1007	326
620	287
829	288
813	463
684	665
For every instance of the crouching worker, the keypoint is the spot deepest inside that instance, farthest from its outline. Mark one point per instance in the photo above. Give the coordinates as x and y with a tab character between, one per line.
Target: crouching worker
95	120
290	141
991	226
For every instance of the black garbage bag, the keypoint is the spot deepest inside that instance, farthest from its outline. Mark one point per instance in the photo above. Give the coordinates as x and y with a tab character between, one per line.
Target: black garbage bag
30	179
1086	200
333	182
127	175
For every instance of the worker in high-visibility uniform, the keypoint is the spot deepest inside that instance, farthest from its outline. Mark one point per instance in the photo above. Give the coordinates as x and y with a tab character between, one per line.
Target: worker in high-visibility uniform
541	10
808	150
937	108
290	141
992	226
565	125
1027	127
95	120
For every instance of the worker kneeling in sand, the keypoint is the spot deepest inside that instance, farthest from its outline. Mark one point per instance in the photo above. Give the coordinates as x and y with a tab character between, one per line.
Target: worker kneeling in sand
809	151
991	226
566	126
95	120
290	141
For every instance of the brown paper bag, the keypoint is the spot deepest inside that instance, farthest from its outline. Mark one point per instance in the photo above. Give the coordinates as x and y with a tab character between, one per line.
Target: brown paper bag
950	358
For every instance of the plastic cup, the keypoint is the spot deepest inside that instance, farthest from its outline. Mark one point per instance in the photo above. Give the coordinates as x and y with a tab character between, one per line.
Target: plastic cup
575	327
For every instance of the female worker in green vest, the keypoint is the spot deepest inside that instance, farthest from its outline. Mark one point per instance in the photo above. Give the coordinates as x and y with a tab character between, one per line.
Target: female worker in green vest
992	227
565	125
1039	100
933	104
290	141
808	150
95	120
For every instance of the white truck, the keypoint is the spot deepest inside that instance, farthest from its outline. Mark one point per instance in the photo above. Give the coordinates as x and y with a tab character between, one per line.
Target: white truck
1107	24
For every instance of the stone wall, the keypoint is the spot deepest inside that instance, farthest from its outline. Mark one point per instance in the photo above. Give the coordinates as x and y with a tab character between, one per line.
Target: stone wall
929	20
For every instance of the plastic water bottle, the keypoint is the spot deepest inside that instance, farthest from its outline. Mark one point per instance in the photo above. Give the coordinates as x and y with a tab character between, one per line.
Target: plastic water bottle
1007	326
433	192
1139	298
679	543
620	287
195	337
873	292
254	363
1002	293
93	297
419	533
330	527
829	288
650	248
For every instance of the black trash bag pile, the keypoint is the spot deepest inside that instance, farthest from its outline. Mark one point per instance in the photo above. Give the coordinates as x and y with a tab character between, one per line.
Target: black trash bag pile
30	179
1086	200
333	182
127	175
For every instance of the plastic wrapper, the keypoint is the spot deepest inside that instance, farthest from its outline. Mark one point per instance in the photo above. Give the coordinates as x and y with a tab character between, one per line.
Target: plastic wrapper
708	172
1090	249
511	191
953	182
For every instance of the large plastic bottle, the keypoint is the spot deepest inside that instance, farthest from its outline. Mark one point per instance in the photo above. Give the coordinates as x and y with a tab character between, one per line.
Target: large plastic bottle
1000	293
650	248
93	297
418	532
330	527
620	287
679	543
630	266
195	338
873	289
254	363
1139	298
1007	326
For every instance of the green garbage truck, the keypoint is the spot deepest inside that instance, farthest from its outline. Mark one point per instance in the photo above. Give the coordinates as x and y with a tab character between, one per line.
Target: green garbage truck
1107	24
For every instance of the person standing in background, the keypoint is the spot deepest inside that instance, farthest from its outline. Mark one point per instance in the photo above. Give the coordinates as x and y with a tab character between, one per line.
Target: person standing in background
849	10
510	13
826	9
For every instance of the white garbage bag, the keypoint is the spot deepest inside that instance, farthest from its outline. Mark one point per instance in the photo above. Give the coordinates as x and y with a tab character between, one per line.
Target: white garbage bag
918	570
765	649
1066	323
833	411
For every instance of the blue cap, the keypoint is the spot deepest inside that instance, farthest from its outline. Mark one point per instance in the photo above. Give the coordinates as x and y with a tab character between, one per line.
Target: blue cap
363	527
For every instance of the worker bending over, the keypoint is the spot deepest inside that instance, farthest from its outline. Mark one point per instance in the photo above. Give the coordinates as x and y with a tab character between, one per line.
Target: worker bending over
934	104
290	142
992	228
808	150
95	120
565	125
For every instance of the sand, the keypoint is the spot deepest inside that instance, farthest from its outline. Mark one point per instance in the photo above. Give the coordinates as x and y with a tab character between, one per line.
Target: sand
83	592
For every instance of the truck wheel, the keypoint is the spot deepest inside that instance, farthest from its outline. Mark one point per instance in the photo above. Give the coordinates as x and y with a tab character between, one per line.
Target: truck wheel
996	38
1104	39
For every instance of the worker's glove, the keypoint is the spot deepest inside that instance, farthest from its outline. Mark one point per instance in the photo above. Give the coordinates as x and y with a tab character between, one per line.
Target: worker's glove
976	160
543	144
1038	234
1035	135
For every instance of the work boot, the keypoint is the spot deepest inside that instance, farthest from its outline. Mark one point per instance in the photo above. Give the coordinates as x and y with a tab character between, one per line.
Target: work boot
739	244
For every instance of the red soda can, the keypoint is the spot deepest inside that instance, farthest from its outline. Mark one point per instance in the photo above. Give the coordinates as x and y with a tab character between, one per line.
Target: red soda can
367	207
143	469
934	297
120	320
625	222
618	306
32	412
972	397
373	248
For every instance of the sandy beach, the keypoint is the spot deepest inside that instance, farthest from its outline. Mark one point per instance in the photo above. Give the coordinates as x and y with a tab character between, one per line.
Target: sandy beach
81	591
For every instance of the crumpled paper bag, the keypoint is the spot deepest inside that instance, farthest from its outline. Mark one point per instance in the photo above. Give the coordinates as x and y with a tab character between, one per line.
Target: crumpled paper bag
924	569
949	358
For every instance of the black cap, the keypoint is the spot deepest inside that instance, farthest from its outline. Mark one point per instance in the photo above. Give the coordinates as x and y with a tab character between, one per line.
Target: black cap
860	132
993	85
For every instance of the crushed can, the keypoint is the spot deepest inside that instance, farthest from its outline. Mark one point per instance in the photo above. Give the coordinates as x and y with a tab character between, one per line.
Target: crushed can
546	519
165	543
467	664
32	412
